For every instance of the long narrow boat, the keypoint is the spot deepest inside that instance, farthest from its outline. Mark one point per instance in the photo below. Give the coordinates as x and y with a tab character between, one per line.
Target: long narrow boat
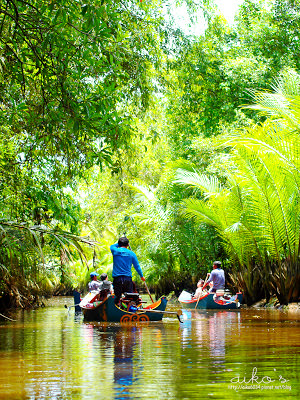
106	310
210	301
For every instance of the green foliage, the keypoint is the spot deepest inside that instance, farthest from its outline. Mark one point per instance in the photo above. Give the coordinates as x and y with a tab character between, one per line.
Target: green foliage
100	104
212	75
27	265
69	70
269	32
72	75
256	212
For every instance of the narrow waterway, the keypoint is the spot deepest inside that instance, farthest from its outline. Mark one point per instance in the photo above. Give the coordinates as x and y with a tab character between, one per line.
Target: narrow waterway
52	354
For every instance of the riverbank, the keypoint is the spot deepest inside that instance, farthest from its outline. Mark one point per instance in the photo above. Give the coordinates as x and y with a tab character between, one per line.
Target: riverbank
274	303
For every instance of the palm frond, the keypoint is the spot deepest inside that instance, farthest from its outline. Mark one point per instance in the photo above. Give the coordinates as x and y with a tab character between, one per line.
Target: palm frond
210	185
143	192
201	212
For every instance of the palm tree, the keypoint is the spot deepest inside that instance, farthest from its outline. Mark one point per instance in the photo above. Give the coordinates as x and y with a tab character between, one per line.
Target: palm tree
24	259
257	211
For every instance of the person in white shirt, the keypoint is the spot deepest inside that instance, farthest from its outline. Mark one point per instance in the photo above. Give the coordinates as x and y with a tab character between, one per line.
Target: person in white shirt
94	284
199	290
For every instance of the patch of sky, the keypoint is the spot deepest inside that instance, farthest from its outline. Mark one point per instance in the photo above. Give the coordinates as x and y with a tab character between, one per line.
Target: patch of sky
196	24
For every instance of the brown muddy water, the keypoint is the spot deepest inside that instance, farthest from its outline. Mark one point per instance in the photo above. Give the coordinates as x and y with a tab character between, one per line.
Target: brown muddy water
246	354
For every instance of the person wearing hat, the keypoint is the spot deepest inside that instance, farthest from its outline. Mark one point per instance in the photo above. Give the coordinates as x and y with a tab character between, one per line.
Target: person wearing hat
123	259
94	284
105	284
217	276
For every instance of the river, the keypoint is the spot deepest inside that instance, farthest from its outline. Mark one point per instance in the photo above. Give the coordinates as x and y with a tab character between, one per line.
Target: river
50	353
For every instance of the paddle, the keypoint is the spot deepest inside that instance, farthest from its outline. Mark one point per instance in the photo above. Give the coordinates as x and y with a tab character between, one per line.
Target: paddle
202	286
4	316
148	291
75	305
178	314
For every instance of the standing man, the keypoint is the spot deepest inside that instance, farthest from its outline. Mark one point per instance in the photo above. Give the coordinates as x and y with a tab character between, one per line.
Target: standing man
123	259
217	276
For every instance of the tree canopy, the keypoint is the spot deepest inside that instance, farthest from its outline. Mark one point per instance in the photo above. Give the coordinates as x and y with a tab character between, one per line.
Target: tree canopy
106	108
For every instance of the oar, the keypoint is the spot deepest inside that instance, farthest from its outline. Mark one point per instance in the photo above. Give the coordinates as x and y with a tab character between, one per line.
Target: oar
4	316
178	314
75	305
148	291
202	286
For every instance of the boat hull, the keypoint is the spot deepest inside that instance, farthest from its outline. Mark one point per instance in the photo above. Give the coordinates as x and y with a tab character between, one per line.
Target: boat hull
208	302
107	311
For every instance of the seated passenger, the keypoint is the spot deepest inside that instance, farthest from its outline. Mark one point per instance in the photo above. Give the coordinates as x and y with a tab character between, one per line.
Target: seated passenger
105	284
105	288
199	290
94	284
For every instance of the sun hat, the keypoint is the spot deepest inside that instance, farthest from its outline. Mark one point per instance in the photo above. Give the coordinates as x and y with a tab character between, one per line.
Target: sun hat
92	274
103	276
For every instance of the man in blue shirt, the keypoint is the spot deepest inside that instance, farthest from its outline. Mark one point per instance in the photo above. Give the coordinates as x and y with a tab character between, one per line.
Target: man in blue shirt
217	276
123	259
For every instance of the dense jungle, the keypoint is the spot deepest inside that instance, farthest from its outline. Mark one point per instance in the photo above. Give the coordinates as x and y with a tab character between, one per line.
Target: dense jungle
115	121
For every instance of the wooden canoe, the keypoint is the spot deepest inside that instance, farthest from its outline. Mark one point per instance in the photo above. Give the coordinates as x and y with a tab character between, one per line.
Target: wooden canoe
107	311
212	302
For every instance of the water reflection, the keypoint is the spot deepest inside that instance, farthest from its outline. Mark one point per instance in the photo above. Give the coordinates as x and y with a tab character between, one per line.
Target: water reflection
52	354
126	343
217	324
210	329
